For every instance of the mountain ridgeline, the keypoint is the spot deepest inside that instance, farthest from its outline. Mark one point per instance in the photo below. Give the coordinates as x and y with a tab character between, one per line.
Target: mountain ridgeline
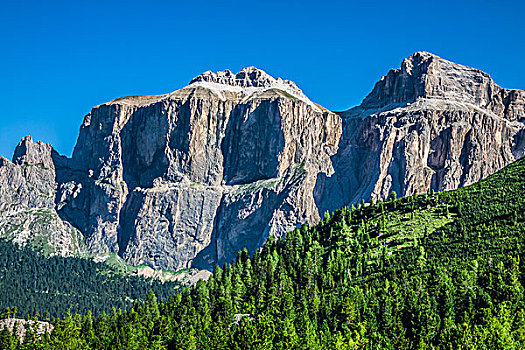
189	178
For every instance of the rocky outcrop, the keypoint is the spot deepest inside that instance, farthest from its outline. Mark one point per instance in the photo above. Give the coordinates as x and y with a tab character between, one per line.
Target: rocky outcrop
20	327
27	201
427	76
191	177
430	125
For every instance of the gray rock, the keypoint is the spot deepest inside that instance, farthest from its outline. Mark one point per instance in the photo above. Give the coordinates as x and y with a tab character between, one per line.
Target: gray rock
27	202
430	125
189	178
216	166
21	326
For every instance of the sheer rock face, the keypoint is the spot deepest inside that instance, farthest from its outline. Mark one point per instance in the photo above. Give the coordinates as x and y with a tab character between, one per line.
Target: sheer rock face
191	177
158	179
27	201
430	125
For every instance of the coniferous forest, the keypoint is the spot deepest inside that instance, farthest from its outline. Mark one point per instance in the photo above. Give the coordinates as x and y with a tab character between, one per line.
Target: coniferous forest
54	286
430	271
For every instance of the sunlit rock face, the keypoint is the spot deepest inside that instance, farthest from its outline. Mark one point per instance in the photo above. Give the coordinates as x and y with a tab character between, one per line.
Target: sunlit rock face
27	201
189	178
430	125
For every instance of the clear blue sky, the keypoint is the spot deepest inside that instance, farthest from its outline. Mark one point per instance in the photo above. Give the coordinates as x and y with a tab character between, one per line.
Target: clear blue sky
60	58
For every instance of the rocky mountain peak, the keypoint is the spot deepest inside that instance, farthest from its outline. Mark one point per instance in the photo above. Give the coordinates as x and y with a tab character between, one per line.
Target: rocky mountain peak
248	77
28	152
248	80
425	75
430	124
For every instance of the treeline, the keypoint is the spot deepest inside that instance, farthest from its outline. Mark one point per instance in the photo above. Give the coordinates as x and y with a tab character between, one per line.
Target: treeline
432	271
31	284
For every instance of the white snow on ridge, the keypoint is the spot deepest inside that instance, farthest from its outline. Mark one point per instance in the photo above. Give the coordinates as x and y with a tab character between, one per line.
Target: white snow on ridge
251	92
248	84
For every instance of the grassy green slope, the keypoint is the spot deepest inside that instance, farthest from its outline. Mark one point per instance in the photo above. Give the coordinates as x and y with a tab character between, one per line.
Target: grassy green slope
481	221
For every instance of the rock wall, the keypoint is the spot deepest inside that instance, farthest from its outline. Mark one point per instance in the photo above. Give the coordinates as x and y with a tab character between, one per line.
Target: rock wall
430	125
159	179
191	177
27	201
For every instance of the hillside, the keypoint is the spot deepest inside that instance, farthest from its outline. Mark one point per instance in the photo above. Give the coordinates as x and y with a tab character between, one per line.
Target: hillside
427	271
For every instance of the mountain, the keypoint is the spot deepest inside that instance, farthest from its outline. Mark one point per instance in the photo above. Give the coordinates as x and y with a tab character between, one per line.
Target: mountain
429	125
191	177
220	164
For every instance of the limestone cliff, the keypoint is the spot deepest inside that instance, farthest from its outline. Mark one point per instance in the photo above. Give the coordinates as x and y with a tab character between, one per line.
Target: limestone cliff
220	164
191	177
430	125
27	201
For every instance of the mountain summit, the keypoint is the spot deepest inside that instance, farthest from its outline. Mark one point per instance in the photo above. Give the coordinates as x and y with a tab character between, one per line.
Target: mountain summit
246	78
191	177
249	81
429	125
426	76
222	163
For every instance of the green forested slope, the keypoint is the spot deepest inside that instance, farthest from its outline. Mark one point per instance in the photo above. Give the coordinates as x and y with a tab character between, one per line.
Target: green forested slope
438	271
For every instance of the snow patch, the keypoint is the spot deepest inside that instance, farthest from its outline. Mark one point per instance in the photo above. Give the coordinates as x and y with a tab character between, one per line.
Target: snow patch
252	92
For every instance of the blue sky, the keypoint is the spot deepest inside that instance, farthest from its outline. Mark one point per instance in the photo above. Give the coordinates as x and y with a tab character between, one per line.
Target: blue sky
60	58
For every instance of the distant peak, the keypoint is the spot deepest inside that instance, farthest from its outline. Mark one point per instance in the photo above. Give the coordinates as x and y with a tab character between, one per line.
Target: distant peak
31	153
426	75
424	54
418	58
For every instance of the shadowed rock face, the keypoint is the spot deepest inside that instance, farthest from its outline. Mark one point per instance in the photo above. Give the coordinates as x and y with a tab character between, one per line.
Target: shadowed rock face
190	178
